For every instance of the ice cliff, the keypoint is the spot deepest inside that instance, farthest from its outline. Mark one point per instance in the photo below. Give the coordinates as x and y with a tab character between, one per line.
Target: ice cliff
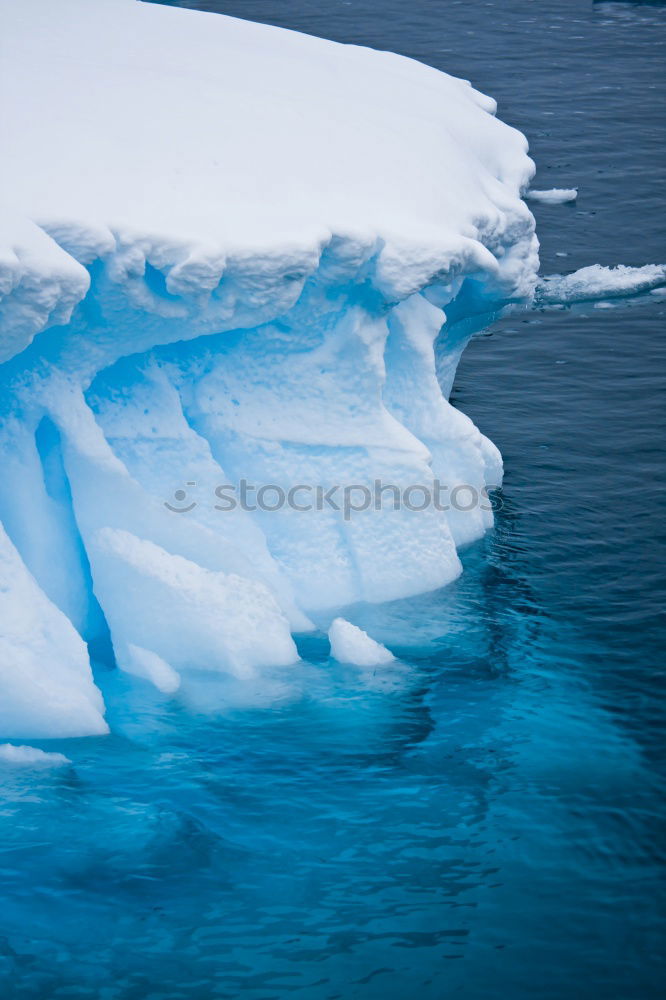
227	251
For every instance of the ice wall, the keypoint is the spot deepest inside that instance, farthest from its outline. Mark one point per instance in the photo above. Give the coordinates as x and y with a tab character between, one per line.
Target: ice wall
228	253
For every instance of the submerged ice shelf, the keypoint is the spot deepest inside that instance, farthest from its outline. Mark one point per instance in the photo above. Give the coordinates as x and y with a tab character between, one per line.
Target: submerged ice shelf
249	241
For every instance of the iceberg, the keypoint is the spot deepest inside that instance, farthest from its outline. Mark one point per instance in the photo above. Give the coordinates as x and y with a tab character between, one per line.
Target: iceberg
227	253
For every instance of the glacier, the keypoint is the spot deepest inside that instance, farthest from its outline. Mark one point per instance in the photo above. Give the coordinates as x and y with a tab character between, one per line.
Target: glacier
227	253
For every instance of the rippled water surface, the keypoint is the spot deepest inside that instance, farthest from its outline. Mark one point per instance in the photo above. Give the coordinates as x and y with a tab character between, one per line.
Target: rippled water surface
484	820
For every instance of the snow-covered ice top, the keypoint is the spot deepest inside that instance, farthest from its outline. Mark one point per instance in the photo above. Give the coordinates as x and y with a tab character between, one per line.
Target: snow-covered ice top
208	145
227	252
207	127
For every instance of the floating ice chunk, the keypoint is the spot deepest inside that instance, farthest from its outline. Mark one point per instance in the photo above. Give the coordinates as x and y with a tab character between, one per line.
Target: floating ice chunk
555	196
350	644
23	756
594	283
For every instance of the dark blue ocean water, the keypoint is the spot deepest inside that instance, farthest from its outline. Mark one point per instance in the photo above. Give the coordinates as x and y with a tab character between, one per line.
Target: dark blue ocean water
488	823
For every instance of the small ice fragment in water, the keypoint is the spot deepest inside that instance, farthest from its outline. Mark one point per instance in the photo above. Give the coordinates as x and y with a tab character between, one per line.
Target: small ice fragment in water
555	196
350	644
24	756
597	283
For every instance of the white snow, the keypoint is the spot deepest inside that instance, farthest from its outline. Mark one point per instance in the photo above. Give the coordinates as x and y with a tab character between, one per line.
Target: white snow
554	196
39	282
23	756
350	644
209	147
593	283
229	252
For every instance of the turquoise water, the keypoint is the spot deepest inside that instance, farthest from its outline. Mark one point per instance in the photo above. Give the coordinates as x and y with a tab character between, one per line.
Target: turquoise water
486	819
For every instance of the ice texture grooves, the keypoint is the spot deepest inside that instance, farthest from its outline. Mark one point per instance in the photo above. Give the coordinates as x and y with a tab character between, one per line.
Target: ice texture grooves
249	241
